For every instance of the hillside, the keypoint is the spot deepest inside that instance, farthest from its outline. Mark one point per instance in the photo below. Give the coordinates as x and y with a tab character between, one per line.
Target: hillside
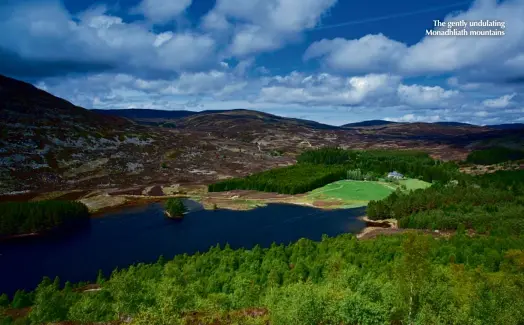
209	118
138	113
508	126
68	147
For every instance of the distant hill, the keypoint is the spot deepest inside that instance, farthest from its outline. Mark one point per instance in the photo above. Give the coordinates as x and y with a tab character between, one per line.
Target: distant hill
209	119
242	120
509	126
368	123
139	113
454	124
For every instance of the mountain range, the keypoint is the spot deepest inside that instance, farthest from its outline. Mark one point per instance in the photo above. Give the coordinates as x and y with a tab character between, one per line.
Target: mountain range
50	144
155	116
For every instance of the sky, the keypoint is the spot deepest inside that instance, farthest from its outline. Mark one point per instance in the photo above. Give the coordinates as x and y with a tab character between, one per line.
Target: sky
332	61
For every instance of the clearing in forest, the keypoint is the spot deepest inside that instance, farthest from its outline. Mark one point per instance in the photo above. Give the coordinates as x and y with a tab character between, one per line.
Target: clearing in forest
352	192
414	184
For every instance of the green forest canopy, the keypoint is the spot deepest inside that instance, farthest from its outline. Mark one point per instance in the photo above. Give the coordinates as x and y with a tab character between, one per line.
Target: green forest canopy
412	279
32	217
489	203
175	207
494	155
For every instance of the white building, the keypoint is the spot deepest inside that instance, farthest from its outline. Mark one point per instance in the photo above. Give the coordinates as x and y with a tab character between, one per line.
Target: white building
395	175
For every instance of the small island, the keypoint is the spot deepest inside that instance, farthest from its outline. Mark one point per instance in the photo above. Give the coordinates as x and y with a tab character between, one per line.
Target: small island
175	208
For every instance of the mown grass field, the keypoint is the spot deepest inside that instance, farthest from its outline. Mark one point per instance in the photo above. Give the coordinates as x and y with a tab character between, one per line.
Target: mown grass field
359	193
414	184
352	192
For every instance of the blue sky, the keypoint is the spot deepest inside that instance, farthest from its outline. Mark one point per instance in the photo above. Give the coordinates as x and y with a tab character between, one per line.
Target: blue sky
326	60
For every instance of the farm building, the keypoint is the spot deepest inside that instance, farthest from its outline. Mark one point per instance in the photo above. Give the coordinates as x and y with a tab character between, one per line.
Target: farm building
395	175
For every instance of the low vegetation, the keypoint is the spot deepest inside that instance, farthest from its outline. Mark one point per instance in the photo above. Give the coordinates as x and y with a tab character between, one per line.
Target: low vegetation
32	217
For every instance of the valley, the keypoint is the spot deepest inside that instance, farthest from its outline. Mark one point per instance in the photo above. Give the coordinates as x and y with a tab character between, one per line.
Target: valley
261	162
289	221
49	145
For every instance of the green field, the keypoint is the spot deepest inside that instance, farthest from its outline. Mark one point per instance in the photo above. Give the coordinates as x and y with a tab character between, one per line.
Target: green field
414	184
359	193
352	192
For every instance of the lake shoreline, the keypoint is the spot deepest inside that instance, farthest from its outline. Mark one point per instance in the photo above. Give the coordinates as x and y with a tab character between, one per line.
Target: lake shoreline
141	235
56	231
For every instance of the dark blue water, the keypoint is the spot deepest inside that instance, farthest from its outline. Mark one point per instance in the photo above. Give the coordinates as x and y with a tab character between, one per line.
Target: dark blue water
142	234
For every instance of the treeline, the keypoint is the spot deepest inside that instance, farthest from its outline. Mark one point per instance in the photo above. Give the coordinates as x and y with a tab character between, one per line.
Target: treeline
324	156
358	175
401	204
316	168
31	217
494	155
414	164
295	179
503	179
499	219
490	203
410	279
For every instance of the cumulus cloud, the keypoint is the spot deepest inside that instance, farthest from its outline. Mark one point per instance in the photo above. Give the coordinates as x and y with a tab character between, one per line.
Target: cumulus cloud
476	58
162	11
410	118
371	53
425	96
46	31
263	25
321	96
501	102
97	59
326	89
121	90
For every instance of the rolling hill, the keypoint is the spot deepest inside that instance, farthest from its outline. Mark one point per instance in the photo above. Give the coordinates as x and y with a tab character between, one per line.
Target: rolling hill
139	113
50	144
367	123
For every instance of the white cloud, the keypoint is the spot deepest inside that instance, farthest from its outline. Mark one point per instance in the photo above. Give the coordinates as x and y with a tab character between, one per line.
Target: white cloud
425	96
251	38
264	25
330	90
371	53
477	58
410	118
501	102
322	97
454	82
162	11
445	54
46	31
